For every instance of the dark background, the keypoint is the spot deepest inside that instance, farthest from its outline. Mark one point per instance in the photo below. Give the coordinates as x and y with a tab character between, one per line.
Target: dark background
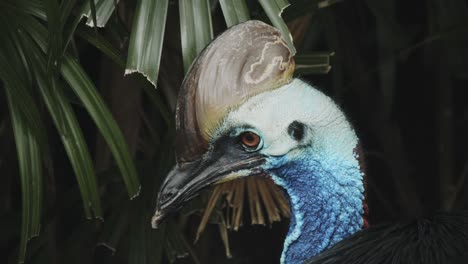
399	72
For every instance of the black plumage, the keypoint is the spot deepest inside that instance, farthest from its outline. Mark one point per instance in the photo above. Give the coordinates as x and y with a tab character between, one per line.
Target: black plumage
439	239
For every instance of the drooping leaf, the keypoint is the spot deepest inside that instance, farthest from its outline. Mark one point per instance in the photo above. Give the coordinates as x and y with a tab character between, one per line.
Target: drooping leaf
29	139
196	28
103	45
92	101
32	7
72	139
146	40
116	56
234	11
54	35
29	158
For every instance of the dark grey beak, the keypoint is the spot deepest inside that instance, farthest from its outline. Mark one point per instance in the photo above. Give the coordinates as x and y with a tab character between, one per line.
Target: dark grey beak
185	181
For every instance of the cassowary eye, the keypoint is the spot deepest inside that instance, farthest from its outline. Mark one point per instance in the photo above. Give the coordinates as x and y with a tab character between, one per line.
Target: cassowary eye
250	140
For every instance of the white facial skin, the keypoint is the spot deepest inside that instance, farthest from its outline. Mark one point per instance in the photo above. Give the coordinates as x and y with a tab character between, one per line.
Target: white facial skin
270	114
328	138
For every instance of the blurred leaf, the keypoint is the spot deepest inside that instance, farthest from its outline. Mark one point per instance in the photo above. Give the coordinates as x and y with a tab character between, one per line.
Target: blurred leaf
73	140
146	40
70	27
114	227
103	45
327	3
115	55
234	11
28	136
274	9
145	242
54	35
157	101
33	7
86	91
92	101
177	245
196	28
313	63
103	11
66	8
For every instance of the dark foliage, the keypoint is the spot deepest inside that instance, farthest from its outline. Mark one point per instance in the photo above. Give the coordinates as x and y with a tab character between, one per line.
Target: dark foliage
399	71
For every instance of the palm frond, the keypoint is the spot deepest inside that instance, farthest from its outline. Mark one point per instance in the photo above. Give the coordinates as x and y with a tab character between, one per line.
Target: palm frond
144	53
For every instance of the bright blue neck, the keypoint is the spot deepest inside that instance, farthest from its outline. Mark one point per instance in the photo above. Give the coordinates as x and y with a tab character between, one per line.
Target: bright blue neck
326	195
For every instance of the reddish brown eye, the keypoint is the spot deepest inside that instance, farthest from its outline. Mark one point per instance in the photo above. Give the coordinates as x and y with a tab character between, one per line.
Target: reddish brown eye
250	140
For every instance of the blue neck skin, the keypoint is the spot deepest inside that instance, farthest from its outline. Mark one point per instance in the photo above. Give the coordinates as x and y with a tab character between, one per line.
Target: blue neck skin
326	196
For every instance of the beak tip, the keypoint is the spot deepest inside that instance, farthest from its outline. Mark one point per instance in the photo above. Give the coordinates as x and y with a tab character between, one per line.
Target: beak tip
157	218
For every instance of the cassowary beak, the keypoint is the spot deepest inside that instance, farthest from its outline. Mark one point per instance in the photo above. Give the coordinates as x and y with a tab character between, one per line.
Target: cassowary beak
185	181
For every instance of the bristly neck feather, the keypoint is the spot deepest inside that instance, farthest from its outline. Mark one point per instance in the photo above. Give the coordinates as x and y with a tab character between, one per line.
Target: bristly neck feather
326	195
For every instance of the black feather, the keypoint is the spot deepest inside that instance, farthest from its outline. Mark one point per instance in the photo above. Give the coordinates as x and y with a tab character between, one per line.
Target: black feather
440	239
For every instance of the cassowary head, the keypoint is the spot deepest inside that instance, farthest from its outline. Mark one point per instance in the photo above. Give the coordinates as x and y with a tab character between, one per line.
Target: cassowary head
240	113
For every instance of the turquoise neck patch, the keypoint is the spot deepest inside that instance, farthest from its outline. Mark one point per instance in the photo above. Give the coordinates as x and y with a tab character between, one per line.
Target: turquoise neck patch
326	196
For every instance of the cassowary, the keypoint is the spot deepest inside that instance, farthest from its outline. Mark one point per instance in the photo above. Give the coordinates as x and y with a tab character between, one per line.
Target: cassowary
240	113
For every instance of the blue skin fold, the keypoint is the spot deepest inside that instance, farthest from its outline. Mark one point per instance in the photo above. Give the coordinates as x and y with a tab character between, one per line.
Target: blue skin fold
326	195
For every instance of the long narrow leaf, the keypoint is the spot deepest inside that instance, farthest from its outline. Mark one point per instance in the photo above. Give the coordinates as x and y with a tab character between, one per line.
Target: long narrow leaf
32	7
73	141
86	91
195	28
115	55
92	101
54	35
103	11
23	110
92	5
234	11
146	40
29	157
273	9
103	45
66	8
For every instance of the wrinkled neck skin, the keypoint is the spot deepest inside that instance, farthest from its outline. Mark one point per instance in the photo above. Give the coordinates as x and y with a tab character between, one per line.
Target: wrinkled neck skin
325	186
326	200
326	197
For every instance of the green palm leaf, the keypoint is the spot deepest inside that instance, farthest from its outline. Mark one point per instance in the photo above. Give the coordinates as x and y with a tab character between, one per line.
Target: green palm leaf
234	11
146	40
29	138
195	28
86	92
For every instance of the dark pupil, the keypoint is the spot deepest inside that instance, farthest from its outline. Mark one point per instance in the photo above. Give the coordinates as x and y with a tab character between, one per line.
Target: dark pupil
249	138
